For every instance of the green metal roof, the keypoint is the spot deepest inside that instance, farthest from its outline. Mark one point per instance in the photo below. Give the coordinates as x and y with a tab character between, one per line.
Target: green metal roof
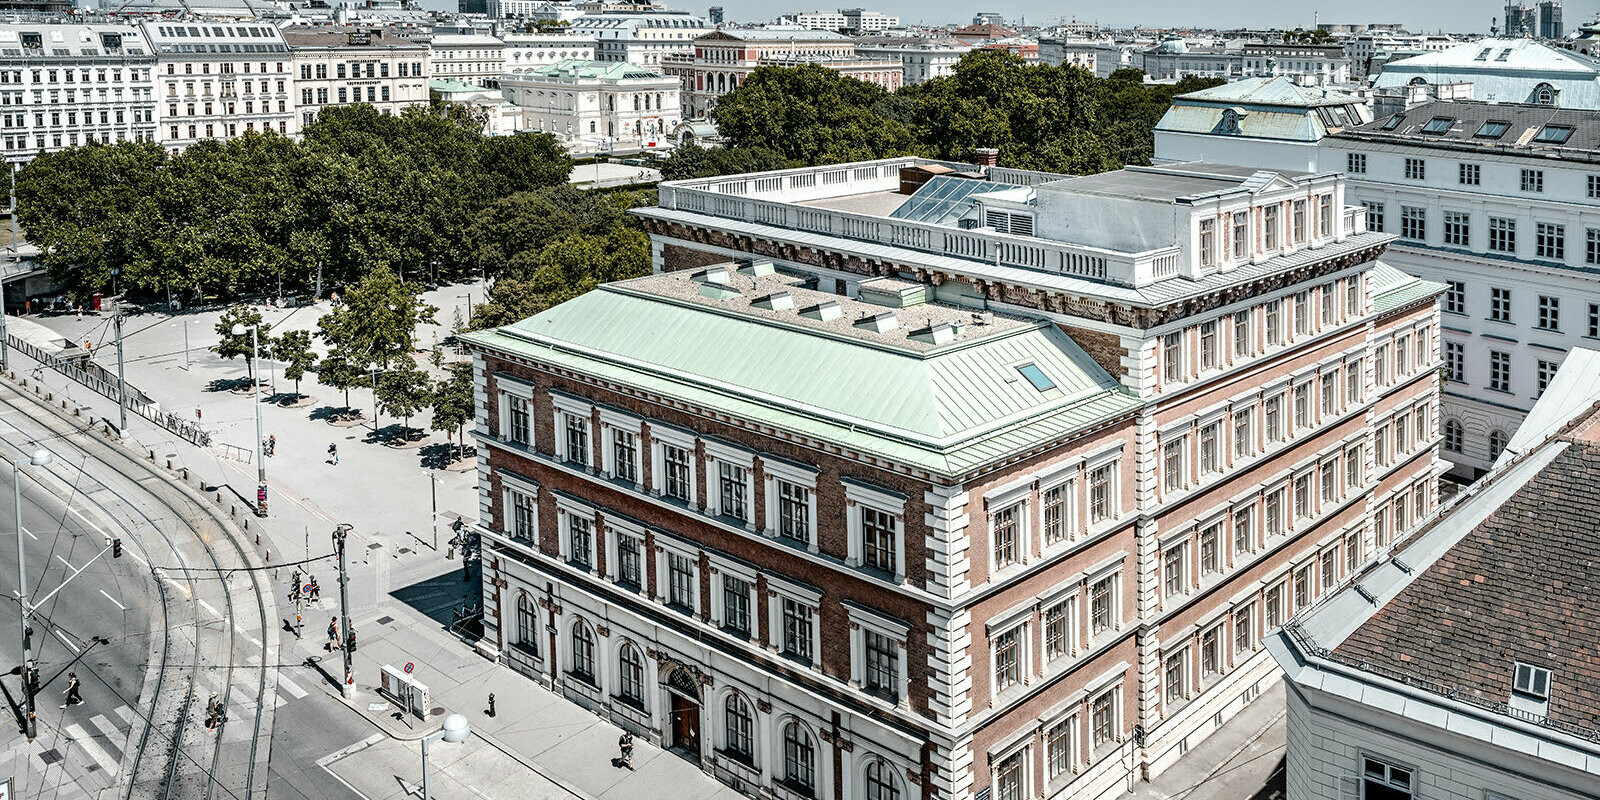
1274	91
1392	288
580	68
947	409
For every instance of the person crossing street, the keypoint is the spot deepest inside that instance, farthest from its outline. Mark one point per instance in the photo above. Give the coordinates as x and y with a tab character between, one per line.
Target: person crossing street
333	634
73	691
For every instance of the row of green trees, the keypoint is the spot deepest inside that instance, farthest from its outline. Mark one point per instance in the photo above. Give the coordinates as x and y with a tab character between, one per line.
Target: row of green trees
265	213
369	339
1042	117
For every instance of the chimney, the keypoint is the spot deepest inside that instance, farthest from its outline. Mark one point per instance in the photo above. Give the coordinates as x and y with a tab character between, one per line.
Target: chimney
987	156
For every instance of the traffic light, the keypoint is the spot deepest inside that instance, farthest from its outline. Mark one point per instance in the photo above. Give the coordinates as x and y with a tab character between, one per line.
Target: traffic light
116	548
350	641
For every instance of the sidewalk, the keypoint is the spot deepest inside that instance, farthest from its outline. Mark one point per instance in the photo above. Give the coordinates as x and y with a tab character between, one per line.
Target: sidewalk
1242	760
402	591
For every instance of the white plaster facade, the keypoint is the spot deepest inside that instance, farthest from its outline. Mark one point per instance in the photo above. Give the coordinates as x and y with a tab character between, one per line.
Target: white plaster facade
640	38
220	80
470	58
65	85
342	67
597	106
524	51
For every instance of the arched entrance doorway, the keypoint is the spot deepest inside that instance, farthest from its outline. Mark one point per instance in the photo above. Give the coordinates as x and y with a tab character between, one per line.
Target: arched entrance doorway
683	728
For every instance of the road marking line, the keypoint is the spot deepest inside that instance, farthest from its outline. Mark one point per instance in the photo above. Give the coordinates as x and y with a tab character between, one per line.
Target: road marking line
113	600
252	658
292	687
278	701
66	562
207	606
255	641
126	714
81	737
30	534
106	727
180	587
64	639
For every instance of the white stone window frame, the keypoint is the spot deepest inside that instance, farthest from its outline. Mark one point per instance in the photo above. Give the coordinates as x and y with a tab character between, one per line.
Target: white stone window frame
513	484
1074	592
615	421
1180	645
778	589
717	454
563	406
863	619
1019	742
616	528
721	568
775	469
667	546
1221	415
509	387
1186	538
1109	568
662	435
1013	495
858	496
566	508
1067	477
1018	618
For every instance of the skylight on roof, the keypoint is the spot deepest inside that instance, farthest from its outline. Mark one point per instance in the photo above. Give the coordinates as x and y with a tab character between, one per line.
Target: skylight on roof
1493	129
1483	55
1036	377
1438	125
1532	681
1504	54
1553	134
1394	122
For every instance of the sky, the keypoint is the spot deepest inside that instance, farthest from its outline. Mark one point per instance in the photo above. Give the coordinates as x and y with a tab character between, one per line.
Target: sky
1416	15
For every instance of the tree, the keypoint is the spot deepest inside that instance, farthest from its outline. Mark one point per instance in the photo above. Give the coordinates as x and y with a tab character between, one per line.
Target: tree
404	390
524	162
337	372
231	345
294	350
377	323
810	114
453	403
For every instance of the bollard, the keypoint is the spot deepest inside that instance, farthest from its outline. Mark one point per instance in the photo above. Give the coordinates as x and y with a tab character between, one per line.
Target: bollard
269	554
186	474
48	396
152	455
169	464
219	497
258	540
233	511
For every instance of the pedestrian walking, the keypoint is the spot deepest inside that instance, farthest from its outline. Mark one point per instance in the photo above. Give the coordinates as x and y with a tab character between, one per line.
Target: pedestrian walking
625	744
73	691
316	591
333	634
79	310
214	712
333	454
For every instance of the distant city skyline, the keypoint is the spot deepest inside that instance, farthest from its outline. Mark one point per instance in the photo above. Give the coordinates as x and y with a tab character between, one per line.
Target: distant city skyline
1415	15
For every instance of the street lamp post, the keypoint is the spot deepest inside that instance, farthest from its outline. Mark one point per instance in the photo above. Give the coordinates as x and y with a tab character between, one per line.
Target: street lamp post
38	459
455	730
255	394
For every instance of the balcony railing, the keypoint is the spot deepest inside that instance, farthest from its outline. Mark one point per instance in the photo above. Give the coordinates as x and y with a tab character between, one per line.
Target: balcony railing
771	198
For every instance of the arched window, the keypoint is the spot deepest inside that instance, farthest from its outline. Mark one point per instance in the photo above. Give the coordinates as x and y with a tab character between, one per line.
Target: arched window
1497	444
737	724
1453	436
630	675
1544	94
881	783
527	624
1417	81
799	759
583	651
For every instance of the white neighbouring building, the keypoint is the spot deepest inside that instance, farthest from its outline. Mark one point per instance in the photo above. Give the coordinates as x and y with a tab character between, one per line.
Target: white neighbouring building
524	51
343	66
1100	56
643	38
473	58
722	60
1464	666
66	85
921	58
597	106
1505	71
1272	123
218	79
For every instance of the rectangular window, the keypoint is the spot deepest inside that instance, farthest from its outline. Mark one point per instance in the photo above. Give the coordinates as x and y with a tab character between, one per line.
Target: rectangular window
1173	563
1243	630
1242	440
1327	387
624	456
1241	334
1172	356
1327	480
1054	513
1594	185
1273	512
1172	463
1302	317
1060	750
1356	163
1100	490
1243	532
1210	447
1502	235
797	627
1274	322
1499	370
1274	415
736	604
1103	719
1241	235
883	664
1416	169
1352	553
1174	675
580	532
1297	220
1325	299
732	488
1274	607
577	439
1005	536
1549	313
1269	228
682	590
1008	659
1008	778
1330	570
1208	345
1325	216
1302	497
1470	175
524	518
1594	320
1457	228
1533	180
1352	382
517	415
630	567
1381	780
1058	634
1208	235
679	482
1302	588
1210	557
1374	215
1591	246
1500	305
1101	605
877	540
1550	241
1352	467
1302	406
1455	298
1413	223
1547	371
794	512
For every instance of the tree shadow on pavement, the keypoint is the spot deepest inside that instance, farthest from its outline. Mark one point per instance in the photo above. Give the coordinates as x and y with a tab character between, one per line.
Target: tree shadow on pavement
395	435
228	384
441	455
336	414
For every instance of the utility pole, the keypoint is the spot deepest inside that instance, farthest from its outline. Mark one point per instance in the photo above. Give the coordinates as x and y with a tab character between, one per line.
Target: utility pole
16	261
349	686
122	382
186	345
433	483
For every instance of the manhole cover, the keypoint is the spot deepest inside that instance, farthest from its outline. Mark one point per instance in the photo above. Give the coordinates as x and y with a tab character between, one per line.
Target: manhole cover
405	549
385	620
436	711
374	545
50	756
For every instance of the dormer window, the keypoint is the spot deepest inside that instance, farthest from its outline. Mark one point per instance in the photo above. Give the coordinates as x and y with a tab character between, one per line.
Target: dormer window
1531	681
1230	121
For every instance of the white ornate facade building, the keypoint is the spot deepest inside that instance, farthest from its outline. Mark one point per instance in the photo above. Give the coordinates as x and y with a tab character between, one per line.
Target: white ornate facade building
335	66
524	51
219	79
722	60
473	58
942	486
643	38
597	106
65	85
922	58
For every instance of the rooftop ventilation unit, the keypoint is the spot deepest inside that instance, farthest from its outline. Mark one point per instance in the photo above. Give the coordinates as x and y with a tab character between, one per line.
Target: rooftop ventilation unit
943	333
983	317
881	323
717	291
717	275
823	312
892	293
777	301
758	268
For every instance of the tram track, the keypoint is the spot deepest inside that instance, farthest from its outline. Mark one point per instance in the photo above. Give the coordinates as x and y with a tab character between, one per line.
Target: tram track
206	580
